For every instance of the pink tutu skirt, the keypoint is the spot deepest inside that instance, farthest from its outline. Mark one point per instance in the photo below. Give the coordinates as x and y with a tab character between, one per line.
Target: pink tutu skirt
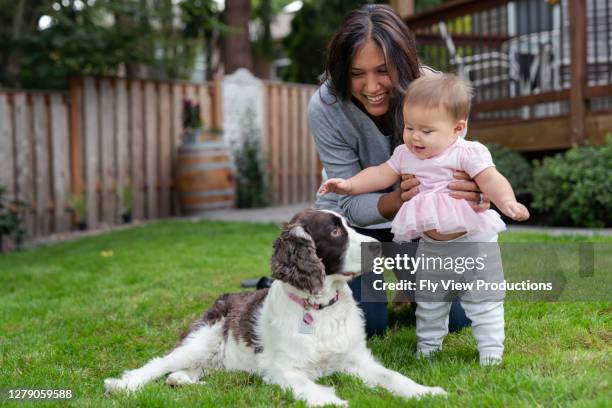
447	215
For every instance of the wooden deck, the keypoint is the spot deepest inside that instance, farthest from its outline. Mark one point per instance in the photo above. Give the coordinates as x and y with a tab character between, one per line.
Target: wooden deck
541	134
543	80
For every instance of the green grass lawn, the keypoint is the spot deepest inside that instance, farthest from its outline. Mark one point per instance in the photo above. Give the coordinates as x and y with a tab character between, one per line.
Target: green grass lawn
70	317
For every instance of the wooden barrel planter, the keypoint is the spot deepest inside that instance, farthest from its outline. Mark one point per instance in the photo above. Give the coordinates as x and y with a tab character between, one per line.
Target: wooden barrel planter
205	177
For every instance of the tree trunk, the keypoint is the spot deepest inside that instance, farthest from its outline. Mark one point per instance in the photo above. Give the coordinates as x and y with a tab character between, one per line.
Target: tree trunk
237	44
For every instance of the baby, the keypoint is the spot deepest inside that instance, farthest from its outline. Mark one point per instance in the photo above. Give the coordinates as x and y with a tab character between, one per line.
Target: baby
435	110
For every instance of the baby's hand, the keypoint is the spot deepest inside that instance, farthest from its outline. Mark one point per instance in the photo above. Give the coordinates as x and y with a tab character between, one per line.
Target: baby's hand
336	185
515	210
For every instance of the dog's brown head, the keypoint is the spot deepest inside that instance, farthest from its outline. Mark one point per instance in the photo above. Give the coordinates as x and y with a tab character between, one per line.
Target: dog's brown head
313	245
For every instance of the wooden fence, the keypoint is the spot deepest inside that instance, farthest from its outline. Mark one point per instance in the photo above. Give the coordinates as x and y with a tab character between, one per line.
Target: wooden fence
294	168
103	137
129	133
34	157
108	135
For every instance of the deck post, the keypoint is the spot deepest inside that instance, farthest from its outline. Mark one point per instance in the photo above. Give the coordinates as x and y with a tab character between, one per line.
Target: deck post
578	70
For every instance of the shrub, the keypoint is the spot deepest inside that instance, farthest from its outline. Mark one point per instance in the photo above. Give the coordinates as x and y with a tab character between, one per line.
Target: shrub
11	224
251	178
514	167
576	186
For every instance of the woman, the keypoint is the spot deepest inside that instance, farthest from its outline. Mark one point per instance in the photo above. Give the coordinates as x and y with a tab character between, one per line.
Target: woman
356	121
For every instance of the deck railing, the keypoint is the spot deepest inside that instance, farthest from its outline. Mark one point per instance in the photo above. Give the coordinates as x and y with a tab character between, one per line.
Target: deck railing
528	60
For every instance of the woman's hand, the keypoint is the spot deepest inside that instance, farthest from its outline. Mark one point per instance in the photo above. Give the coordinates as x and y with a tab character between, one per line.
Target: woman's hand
390	203
409	187
466	189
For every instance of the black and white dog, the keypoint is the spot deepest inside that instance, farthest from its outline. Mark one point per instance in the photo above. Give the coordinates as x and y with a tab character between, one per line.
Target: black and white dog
305	326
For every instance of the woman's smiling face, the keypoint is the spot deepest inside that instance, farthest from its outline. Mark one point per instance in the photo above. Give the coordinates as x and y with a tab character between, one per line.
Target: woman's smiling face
370	81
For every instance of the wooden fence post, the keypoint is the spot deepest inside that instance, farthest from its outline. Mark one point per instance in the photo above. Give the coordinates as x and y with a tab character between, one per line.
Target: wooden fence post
217	103
76	172
578	70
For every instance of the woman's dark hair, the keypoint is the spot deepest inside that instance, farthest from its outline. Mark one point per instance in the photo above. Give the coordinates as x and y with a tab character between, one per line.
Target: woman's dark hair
382	25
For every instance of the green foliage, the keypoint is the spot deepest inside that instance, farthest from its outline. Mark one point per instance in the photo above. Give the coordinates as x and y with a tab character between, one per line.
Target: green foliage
126	199
103	38
11	224
78	204
311	30
264	12
191	115
76	42
251	178
422	5
576	186
514	167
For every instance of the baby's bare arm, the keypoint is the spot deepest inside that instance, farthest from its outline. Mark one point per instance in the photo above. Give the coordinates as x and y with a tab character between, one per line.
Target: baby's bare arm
498	189
372	179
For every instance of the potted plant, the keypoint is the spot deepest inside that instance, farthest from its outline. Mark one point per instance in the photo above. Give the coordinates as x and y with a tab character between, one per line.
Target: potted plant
192	122
126	198
79	207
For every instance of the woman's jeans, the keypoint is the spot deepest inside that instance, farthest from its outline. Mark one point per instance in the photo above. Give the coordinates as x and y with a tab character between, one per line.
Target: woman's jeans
375	309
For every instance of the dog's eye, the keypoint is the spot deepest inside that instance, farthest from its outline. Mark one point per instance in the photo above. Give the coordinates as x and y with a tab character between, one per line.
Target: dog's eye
336	232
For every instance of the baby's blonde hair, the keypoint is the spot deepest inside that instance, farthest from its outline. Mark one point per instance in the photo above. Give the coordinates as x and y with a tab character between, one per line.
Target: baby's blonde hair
444	91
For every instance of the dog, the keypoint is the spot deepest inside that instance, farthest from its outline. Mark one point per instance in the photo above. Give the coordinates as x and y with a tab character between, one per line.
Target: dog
305	326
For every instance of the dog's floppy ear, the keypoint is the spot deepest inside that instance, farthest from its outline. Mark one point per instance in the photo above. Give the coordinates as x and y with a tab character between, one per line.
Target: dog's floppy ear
295	260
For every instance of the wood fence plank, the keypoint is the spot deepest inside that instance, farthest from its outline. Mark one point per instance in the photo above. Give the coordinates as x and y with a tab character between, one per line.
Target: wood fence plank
275	153
75	124
165	146
151	160
205	105
307	193
108	192
177	129
315	164
41	164
294	141
285	146
122	141
191	93
137	151
265	136
91	140
7	164
217	103
24	159
60	149
268	137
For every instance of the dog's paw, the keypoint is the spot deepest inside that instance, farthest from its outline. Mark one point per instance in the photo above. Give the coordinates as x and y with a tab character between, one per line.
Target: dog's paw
115	385
319	402
433	391
179	378
324	396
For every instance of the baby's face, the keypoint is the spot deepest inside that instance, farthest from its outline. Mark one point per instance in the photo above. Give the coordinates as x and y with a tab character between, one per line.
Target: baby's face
428	132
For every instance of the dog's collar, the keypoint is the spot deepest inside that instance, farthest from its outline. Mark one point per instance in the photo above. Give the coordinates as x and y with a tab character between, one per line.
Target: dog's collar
307	305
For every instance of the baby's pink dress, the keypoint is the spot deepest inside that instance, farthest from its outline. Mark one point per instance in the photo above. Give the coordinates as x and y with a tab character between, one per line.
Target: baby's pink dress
432	208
